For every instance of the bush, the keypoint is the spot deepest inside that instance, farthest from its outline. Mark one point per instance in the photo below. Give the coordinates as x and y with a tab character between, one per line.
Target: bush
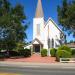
13	53
73	51
64	47
25	52
19	49
53	52
2	55
44	52
62	54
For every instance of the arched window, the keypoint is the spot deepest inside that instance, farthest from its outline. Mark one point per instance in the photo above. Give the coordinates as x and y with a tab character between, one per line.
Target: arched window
52	43
38	29
49	43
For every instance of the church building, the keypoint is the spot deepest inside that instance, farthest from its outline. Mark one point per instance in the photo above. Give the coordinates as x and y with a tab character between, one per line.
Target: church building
46	34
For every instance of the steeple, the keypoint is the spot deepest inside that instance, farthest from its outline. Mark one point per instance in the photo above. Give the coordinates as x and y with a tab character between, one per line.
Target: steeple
39	10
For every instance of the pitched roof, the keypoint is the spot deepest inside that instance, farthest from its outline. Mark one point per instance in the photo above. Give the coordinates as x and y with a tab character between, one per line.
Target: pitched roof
39	10
50	19
37	41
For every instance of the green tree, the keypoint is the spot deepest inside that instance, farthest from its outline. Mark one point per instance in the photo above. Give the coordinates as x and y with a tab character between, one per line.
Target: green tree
66	16
11	29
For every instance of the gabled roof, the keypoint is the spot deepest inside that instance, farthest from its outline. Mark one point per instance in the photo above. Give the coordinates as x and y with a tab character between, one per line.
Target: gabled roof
50	19
39	10
37	41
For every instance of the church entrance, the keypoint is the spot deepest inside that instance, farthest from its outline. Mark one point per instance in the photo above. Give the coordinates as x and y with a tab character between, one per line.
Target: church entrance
37	48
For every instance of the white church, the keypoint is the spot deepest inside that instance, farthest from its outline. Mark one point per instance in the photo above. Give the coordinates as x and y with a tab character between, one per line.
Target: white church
47	34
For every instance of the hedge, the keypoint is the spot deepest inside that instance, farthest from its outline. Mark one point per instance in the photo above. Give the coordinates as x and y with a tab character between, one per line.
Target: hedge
25	52
13	53
2	55
73	51
44	52
64	47
62	54
53	52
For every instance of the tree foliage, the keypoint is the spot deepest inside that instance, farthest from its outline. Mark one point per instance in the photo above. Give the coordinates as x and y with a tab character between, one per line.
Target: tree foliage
11	29
66	16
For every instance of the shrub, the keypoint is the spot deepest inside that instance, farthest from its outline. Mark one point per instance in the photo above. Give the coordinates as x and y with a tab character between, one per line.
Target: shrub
73	51
2	55
62	54
13	53
44	52
0	49
19	49
53	52
25	52
64	47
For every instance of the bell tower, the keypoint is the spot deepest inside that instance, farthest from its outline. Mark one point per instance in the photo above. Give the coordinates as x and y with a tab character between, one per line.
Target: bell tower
38	22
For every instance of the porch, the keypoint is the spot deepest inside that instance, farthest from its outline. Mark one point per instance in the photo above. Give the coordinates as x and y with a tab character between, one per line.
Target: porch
36	46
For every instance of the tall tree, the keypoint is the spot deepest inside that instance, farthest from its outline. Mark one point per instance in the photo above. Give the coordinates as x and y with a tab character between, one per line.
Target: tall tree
11	29
66	16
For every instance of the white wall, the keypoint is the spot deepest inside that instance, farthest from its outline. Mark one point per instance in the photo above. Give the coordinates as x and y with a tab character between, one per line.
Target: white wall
37	21
53	32
45	37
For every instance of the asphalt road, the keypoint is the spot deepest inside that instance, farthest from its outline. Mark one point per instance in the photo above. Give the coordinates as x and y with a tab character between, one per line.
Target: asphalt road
36	70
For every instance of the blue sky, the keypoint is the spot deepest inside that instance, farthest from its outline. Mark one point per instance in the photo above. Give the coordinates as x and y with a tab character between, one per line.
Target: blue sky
49	8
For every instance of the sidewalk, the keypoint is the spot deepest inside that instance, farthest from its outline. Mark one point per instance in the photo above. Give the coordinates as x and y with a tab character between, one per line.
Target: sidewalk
35	61
38	65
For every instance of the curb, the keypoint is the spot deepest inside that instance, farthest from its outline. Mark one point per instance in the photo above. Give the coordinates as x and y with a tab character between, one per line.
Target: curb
39	65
